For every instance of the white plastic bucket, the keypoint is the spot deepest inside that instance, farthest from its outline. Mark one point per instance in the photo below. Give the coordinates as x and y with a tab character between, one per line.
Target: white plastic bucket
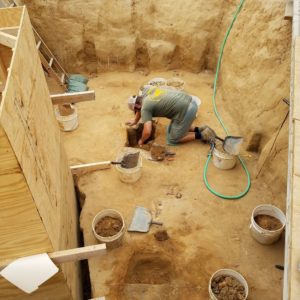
130	175
67	123
110	241
223	160
262	235
227	272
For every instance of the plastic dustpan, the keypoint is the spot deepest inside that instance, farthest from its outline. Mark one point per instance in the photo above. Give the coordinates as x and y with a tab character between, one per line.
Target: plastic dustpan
232	144
141	220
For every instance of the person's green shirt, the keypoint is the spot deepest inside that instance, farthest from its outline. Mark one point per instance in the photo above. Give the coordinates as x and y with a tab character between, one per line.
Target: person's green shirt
163	102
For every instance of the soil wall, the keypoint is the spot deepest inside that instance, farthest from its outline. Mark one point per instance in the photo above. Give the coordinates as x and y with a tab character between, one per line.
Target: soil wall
96	36
254	80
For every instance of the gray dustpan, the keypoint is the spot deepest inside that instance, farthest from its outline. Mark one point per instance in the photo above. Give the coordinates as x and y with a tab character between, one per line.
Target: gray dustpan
141	220
232	144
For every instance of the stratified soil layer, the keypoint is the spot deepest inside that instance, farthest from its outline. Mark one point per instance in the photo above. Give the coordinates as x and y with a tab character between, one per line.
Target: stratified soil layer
268	222
227	287
108	226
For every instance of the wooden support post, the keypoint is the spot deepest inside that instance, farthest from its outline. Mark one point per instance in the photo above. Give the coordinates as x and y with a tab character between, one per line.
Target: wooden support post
7	39
73	97
70	255
288	15
85	168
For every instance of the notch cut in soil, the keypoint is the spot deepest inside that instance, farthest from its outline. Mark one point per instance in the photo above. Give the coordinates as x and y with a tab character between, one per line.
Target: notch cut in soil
149	269
108	226
268	222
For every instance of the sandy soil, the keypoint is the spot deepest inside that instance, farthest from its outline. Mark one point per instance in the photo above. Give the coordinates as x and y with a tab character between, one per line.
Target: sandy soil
205	233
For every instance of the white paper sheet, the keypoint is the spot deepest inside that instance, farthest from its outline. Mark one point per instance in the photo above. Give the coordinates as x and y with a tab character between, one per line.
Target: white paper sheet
27	273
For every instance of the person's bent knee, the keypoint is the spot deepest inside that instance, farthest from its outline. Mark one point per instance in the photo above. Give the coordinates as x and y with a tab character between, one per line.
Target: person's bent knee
174	141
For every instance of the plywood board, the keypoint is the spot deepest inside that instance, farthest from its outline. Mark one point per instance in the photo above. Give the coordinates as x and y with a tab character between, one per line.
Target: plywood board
10	17
295	242
296	95
297	148
27	118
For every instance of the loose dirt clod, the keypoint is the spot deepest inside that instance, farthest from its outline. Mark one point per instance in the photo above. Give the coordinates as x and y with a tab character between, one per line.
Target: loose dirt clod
268	222
227	287
161	235
108	226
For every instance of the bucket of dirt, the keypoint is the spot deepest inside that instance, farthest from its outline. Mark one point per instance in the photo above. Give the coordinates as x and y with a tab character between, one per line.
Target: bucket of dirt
69	122
221	159
109	227
130	170
227	284
267	224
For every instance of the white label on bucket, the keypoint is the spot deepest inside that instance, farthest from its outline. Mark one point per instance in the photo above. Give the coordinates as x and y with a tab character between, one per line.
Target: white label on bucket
28	273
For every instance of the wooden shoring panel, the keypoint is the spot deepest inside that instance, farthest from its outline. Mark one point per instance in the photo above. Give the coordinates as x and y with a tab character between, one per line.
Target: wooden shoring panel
10	17
296	96
26	115
292	246
295	242
52	289
7	39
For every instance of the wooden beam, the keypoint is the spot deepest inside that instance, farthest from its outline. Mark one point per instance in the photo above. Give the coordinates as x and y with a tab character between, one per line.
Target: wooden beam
288	15
70	255
85	168
10	30
7	39
73	97
77	254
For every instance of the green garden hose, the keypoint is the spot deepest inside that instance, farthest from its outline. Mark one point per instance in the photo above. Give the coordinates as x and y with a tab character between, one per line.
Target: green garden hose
238	196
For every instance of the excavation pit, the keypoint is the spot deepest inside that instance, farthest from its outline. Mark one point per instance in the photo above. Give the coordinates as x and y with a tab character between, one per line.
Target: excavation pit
149	269
122	49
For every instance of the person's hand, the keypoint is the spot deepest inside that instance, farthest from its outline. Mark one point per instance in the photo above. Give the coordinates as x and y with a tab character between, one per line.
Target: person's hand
140	142
131	123
208	135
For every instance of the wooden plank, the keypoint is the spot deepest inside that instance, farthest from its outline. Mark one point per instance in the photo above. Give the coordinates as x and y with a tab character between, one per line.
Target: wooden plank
78	253
3	72
11	30
69	255
52	289
295	242
86	168
288	15
73	97
7	39
10	17
296	151
26	115
296	91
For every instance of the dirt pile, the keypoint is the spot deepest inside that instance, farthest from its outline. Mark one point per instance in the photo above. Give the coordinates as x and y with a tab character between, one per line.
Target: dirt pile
108	226
268	222
227	287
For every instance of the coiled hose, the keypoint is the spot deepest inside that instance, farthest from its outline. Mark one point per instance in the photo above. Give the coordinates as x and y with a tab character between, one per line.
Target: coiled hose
240	195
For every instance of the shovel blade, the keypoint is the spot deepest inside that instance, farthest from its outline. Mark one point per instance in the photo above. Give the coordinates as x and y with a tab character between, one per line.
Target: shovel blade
141	220
232	144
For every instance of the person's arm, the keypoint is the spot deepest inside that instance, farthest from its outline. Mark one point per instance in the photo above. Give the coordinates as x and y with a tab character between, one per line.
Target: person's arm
135	120
146	132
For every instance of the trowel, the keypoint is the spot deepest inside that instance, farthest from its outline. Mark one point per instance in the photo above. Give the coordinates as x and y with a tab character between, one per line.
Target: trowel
129	160
231	144
142	220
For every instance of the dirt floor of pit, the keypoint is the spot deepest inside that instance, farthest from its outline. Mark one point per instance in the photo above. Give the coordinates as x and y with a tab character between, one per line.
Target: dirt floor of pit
206	233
